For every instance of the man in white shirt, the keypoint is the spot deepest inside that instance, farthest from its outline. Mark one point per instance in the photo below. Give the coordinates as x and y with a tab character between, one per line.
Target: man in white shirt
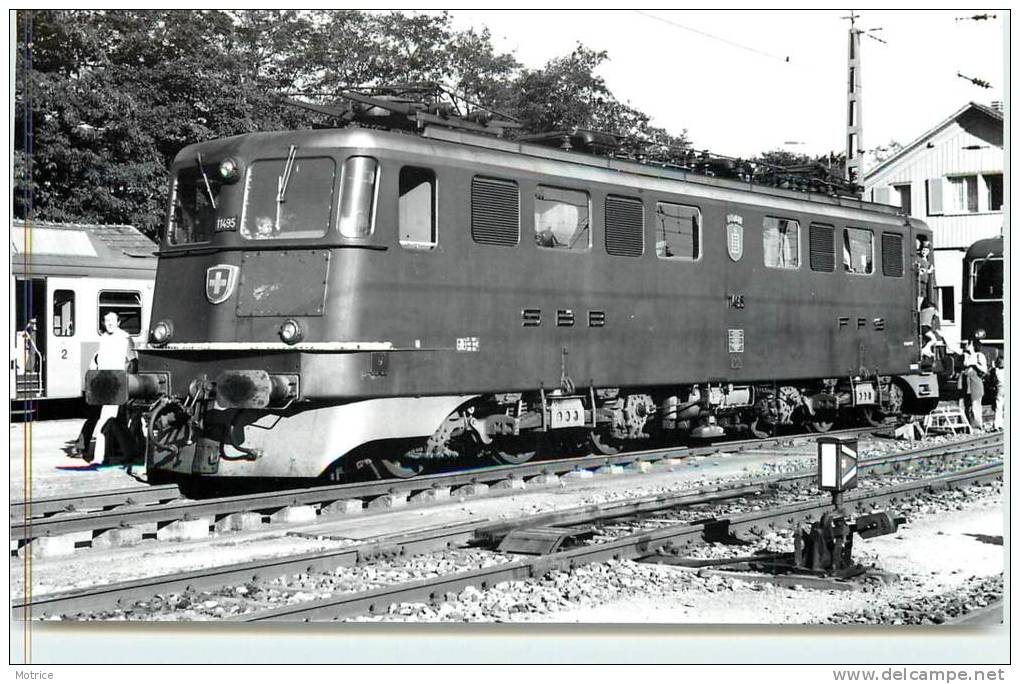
116	352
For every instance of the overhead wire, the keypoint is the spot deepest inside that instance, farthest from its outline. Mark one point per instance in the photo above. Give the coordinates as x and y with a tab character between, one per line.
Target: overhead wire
732	43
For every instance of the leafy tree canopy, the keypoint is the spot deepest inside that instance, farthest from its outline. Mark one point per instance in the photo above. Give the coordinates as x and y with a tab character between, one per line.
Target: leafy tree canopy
105	99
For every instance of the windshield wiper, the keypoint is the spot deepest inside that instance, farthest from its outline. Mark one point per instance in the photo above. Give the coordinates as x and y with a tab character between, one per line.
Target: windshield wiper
282	182
208	188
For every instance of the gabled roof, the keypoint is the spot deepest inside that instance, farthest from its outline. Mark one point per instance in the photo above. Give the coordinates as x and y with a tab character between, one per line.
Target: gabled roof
906	149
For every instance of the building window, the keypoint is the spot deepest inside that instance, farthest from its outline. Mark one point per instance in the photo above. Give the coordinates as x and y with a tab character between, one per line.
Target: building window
416	208
781	243
963	195
562	219
993	188
677	231
858	251
63	313
904	197
947	303
127	305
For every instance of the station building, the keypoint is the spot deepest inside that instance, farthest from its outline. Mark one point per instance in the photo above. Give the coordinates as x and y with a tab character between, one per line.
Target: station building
951	177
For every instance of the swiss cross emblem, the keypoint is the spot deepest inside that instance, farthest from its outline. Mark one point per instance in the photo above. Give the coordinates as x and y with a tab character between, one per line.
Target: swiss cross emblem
219	282
735	236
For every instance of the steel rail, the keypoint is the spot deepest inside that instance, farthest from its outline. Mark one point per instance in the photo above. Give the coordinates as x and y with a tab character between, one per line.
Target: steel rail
628	547
182	509
122	593
44	507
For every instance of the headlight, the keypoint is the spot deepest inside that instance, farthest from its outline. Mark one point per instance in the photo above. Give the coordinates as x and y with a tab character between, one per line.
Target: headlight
979	334
162	332
229	170
290	332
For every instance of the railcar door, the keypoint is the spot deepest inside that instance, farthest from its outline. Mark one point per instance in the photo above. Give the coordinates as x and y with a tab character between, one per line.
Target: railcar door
30	337
66	315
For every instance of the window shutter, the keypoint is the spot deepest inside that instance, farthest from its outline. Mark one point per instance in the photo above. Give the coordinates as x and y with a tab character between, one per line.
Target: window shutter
934	186
495	212
821	247
625	227
892	254
881	195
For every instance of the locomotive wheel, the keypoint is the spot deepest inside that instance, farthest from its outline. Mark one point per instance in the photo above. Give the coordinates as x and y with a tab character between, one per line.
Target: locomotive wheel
820	425
514	450
401	468
601	444
762	430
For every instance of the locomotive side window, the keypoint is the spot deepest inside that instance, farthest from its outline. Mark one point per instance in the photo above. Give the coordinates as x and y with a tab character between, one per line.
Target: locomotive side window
781	242
986	280
562	219
417	208
127	305
677	231
892	255
193	206
625	226
357	197
63	313
821	247
288	198
495	212
858	251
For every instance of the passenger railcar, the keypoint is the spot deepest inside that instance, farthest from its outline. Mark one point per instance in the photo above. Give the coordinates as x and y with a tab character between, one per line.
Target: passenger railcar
65	278
982	312
329	299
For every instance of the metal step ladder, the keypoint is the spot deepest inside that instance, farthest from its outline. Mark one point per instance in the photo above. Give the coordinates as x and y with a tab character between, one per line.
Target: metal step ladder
28	386
947	418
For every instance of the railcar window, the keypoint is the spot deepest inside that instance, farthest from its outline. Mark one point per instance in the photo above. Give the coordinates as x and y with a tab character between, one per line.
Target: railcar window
417	208
288	198
625	226
193	212
781	242
892	255
986	280
495	212
63	313
562	219
677	231
858	251
127	305
357	197
822	247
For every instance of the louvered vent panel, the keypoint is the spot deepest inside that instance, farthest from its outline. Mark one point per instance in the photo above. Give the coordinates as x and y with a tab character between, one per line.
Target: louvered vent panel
531	318
495	212
823	252
624	227
565	318
892	255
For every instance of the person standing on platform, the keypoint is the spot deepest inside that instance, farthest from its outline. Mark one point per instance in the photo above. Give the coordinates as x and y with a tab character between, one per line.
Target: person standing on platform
975	368
999	373
116	352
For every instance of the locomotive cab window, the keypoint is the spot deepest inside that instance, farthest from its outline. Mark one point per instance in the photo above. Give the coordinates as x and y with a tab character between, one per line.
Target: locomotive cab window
986	280
63	313
288	198
858	251
417	208
781	242
562	219
357	197
127	305
677	231
193	205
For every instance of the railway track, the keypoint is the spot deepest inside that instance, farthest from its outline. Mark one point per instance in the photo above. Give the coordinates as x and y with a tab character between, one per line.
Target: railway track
447	537
157	507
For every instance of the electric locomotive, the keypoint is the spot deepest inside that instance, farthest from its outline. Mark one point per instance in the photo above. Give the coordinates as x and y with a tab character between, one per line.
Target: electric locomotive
981	309
336	299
